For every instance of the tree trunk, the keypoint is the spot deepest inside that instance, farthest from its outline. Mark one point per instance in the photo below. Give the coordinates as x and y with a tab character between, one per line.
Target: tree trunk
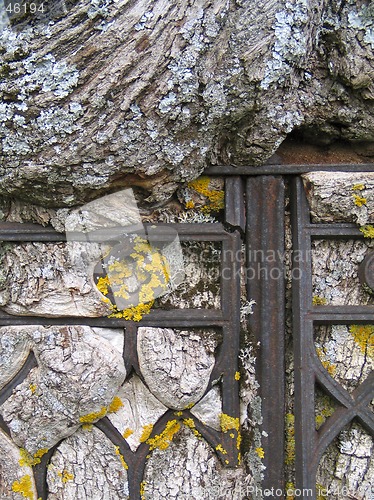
147	93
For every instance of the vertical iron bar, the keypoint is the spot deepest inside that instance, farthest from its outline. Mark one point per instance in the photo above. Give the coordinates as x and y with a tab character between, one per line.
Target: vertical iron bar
265	272
234	202
305	431
230	296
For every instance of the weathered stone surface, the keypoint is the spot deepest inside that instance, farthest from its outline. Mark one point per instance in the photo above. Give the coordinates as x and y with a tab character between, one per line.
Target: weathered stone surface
335	271
13	477
51	279
148	93
140	410
86	466
78	375
341	196
176	365
187	469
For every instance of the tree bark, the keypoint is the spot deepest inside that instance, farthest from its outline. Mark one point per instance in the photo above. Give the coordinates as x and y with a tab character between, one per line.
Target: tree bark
148	93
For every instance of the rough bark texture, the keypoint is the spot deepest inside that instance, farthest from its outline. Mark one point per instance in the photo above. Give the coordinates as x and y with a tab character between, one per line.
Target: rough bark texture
346	351
341	197
148	93
78	375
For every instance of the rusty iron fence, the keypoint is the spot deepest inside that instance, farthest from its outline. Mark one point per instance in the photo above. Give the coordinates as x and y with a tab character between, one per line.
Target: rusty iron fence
254	215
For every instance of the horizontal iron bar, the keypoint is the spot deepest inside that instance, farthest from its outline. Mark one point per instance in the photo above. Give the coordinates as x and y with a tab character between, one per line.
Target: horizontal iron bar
292	169
342	315
17	231
343	230
157	317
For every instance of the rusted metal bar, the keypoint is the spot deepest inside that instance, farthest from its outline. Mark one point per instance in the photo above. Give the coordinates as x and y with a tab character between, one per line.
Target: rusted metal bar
290	169
309	371
157	317
305	433
234	202
265	271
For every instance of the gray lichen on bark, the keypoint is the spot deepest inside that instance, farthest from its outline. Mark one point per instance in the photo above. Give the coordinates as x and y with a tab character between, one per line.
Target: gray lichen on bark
77	376
188	468
148	94
176	365
57	280
86	466
335	267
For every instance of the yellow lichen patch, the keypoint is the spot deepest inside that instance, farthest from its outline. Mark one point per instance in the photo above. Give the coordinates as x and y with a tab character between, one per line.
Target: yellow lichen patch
363	335
90	418
320	489
220	448
237	376
260	452
135	313
115	405
103	285
24	486
327	411
163	440
33	388
127	433
290	491
65	476
151	270
87	427
178	413
290	439
358	200
123	462
147	431
329	367
232	435
142	490
367	231
238	441
215	198
227	422
188	422
319	301
358	187
190	204
29	460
